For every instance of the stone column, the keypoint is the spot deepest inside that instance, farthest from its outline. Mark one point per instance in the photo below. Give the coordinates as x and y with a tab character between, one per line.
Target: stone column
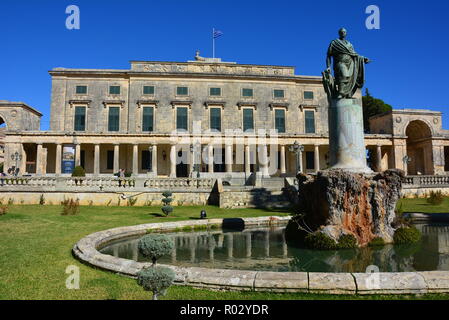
248	245
379	158
263	160
116	158
135	159
96	159
283	168
173	161
228	158
77	155
153	150
58	159
247	160
317	158
210	159
39	159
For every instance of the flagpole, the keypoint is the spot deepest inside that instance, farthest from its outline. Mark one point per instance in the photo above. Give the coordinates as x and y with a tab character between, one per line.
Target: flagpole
213	43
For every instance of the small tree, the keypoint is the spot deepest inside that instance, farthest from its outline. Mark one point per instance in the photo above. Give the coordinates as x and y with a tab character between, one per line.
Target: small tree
78	171
155	279
167	208
154	246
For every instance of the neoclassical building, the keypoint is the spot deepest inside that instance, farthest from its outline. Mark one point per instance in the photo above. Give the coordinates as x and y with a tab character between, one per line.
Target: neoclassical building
206	118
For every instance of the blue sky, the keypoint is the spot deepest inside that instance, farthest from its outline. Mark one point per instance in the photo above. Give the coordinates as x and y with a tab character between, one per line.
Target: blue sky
409	52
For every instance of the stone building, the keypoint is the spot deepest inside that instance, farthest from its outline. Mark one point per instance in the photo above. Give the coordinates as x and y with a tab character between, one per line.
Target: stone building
202	118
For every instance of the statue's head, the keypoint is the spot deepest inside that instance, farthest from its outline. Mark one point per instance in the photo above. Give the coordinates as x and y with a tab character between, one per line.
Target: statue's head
342	33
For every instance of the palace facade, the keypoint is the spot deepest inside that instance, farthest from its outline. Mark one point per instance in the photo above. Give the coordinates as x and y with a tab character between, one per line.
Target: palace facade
205	118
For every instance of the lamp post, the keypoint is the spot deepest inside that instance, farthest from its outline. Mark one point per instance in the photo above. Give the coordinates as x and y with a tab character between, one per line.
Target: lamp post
297	149
195	150
16	157
406	161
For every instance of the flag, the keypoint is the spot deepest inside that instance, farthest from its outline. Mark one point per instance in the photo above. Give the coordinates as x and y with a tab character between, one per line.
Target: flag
217	33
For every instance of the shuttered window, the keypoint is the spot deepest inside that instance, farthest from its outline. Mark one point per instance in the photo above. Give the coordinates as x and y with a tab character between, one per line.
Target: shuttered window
147	118
148	89
247	92
278	93
279	116
114	90
310	121
215	91
308	95
248	120
80	118
215	119
81	89
182	118
182	91
114	119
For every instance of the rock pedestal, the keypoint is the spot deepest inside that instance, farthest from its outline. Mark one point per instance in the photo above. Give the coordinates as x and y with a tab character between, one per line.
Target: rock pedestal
337	202
346	137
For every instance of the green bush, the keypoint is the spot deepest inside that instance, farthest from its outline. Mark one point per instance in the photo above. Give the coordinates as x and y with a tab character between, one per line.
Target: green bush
407	235
435	197
347	241
376	242
319	241
154	246
167	208
78	172
156	280
3	210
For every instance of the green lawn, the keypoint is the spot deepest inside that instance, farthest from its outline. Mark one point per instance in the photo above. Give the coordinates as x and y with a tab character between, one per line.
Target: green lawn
36	243
421	205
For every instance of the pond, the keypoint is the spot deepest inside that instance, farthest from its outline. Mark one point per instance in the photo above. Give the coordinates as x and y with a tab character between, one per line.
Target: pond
265	249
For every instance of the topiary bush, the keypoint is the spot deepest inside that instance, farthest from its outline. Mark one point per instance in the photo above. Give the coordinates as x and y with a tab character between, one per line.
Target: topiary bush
376	242
156	280
407	235
347	241
435	197
320	241
167	208
154	246
78	171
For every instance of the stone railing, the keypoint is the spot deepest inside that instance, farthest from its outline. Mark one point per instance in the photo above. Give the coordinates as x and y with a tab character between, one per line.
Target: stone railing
426	182
105	184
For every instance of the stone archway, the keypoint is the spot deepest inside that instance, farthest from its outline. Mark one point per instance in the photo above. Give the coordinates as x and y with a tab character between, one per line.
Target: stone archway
419	148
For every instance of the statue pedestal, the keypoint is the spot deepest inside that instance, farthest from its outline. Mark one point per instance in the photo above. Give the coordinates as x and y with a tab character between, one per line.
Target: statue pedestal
346	136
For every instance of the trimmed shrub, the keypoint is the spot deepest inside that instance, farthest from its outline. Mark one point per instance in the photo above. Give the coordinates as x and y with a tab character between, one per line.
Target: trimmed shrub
319	241
347	241
435	197
78	171
376	242
154	246
407	235
167	208
156	280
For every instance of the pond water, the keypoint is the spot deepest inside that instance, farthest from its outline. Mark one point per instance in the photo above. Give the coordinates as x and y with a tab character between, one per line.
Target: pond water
265	249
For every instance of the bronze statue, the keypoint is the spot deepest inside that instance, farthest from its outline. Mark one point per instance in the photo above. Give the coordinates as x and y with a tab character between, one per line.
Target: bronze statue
349	69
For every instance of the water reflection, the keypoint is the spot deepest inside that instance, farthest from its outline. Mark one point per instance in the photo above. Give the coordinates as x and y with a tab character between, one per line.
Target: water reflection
266	249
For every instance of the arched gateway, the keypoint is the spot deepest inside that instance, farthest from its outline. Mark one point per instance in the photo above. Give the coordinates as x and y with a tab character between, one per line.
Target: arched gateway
419	148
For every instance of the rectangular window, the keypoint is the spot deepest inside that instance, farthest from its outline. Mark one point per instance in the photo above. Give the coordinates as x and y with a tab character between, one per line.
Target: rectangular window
110	160
182	91
215	91
278	93
81	89
114	90
279	120
148	89
308	95
80	118
114	119
215	119
147	118
146	160
310	121
310	160
248	120
181	118
247	92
